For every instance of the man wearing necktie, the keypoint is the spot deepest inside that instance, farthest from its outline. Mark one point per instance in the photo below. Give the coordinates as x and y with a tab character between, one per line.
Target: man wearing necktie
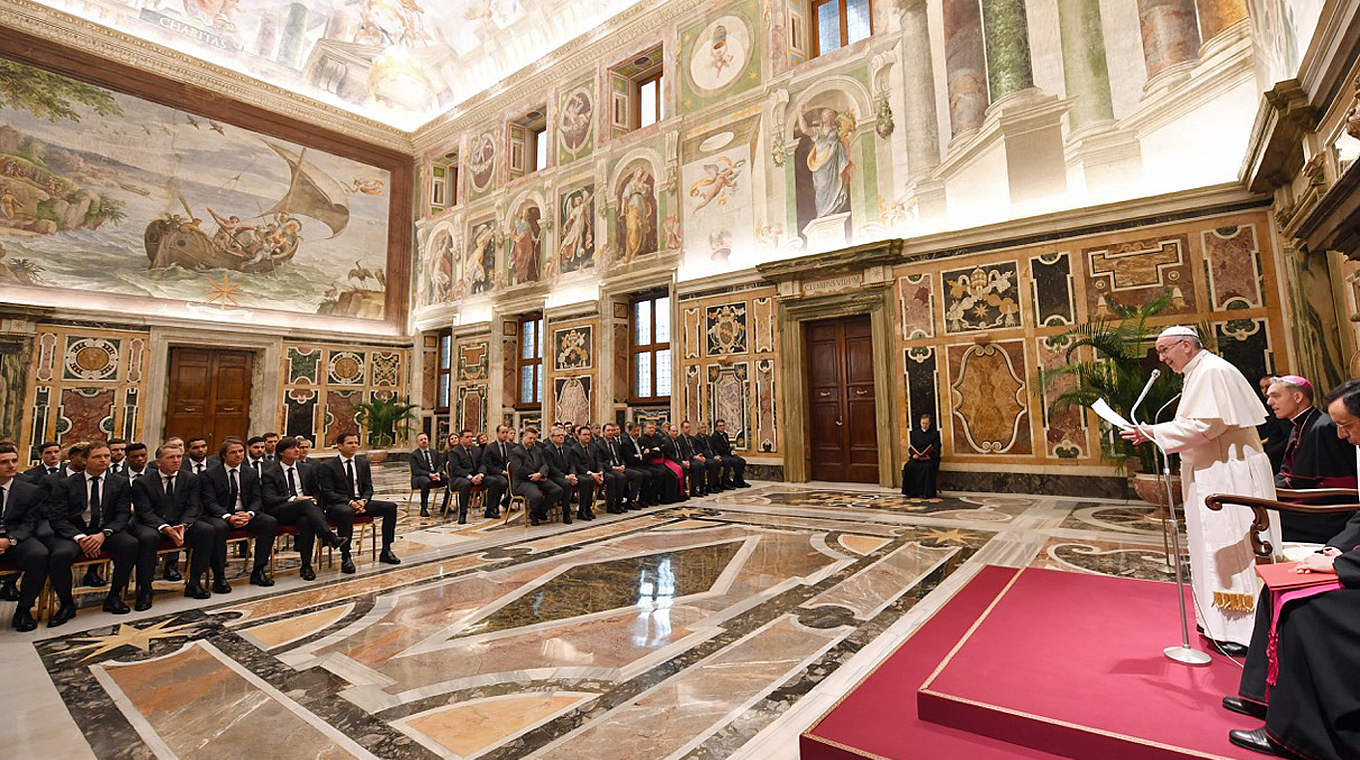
621	485
118	448
533	479
255	461
137	456
465	473
496	467
427	471
290	496
166	503
49	463
21	511
271	442
345	484
197	460
232	500
90	512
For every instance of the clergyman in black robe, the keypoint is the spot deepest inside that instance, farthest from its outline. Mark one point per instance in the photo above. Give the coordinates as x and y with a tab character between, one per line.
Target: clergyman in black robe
1313	458
1274	431
923	460
1311	708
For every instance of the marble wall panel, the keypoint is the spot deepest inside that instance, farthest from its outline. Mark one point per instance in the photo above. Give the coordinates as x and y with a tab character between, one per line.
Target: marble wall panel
1246	343
1133	272
766	407
1051	284
323	381
471	408
303	365
571	399
1232	264
469	385
691	331
762	316
340	414
86	414
16	354
729	399
988	394
725	329
916	296
570	369
922	384
1065	433
983	297
300	405
693	389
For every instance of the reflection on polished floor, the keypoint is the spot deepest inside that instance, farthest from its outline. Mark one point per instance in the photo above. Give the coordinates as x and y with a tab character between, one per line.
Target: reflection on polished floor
717	629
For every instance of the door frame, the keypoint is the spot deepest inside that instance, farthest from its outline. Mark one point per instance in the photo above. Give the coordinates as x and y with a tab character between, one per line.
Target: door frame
876	301
265	380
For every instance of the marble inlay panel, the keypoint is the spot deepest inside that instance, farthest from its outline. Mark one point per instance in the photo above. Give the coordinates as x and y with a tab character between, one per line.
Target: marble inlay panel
469	729
867	592
862	544
290	629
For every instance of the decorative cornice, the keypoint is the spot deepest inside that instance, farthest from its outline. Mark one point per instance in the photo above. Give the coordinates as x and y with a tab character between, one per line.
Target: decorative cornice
63	29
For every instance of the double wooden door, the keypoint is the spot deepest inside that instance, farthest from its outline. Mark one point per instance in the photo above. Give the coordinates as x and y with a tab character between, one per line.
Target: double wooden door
209	394
843	429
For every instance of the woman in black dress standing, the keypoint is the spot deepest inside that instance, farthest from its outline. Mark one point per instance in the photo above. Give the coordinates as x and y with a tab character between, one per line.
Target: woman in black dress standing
923	460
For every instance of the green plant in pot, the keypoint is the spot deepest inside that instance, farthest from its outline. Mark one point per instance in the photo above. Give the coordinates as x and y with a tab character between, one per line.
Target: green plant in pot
384	418
1111	359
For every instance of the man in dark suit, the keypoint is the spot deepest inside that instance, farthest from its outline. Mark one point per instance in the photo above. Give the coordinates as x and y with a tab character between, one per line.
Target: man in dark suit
92	510
233	500
589	468
703	444
635	458
254	459
197	461
495	463
427	471
137	457
621	485
530	474
697	469
49	463
346	487
290	496
464	465
21	512
561	472
271	442
734	467
118	448
166	503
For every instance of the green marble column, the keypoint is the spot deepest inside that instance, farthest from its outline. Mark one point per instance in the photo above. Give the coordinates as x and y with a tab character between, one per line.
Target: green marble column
1006	38
1084	67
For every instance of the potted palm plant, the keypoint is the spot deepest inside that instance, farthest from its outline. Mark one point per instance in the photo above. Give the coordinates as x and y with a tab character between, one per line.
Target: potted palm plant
383	418
1111	359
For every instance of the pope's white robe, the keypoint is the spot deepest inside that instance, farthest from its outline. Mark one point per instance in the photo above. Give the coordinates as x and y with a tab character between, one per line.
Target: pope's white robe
1214	431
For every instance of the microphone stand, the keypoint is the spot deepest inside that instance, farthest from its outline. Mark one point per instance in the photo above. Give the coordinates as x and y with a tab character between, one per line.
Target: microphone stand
1182	653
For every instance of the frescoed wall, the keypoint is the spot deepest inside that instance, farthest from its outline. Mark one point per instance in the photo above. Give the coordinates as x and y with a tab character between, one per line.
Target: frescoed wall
102	192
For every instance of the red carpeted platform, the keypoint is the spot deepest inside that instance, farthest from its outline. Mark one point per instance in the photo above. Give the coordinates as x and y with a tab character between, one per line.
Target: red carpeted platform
877	719
1038	664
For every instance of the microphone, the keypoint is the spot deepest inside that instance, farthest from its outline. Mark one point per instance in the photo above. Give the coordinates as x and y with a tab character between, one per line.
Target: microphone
1152	378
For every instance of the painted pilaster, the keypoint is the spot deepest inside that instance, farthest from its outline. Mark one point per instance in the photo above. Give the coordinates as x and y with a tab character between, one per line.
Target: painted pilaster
965	66
1085	69
1170	36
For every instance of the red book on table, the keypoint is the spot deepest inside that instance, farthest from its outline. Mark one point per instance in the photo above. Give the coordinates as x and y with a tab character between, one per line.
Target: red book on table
1281	576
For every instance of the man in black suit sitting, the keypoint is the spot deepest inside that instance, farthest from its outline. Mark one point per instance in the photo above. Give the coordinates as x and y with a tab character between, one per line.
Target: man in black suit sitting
734	467
290	495
427	471
166	503
621	484
465	473
346	487
232	500
50	463
531	474
91	510
137	457
703	444
495	465
589	468
196	460
21	512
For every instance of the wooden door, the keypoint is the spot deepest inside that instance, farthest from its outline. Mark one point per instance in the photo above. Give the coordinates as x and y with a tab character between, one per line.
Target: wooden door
209	394
843	426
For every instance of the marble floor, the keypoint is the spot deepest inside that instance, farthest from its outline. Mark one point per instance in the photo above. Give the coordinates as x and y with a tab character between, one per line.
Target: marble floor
717	629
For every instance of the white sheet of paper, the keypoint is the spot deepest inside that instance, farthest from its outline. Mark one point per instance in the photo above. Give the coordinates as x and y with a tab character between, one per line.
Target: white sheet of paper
1110	415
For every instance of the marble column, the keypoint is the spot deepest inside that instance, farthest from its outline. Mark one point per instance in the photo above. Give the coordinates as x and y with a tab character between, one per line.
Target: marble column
918	77
965	65
1084	66
1170	33
1217	15
1007	44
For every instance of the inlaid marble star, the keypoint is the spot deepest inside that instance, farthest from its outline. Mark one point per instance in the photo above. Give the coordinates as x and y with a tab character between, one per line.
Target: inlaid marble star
688	512
953	535
223	292
130	636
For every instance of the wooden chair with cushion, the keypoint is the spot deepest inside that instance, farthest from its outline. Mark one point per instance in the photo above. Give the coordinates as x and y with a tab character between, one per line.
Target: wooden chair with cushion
1298	504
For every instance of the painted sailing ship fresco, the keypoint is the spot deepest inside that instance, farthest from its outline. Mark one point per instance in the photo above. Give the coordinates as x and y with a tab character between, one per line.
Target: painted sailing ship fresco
102	192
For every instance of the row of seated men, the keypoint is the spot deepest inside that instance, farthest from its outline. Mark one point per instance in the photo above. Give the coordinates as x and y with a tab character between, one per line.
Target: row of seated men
637	468
131	510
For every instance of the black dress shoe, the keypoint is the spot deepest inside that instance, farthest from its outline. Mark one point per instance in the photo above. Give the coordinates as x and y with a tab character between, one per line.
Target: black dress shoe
63	615
115	605
1230	648
194	590
387	557
347	564
424	512
743	484
92	578
491	515
306	573
23	620
220	586
143	602
8	591
1254	740
258	577
1245	707
171	574
535	521
462	519
566	518
330	540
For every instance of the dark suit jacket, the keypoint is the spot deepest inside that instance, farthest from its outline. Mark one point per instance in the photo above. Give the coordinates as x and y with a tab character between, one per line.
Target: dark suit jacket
671	450
601	447
653	444
274	488
721	445
685	445
332	484
632	451
492	461
36	475
418	467
153	507
464	463
584	461
524	461
560	460
24	510
209	462
702	445
215	491
68	498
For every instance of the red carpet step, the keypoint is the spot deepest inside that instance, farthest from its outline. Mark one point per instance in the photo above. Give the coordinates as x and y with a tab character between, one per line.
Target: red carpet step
1039	664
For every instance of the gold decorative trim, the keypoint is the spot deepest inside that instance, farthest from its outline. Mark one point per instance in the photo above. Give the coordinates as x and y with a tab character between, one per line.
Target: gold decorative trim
63	29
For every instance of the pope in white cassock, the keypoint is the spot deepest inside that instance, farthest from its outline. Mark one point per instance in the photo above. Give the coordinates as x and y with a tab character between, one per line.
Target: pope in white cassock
1214	431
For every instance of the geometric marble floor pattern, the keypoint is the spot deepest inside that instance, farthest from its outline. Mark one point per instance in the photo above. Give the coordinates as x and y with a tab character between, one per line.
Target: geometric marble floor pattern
715	629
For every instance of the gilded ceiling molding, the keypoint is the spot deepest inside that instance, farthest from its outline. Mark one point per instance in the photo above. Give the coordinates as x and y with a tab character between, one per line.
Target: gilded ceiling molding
611	40
63	29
